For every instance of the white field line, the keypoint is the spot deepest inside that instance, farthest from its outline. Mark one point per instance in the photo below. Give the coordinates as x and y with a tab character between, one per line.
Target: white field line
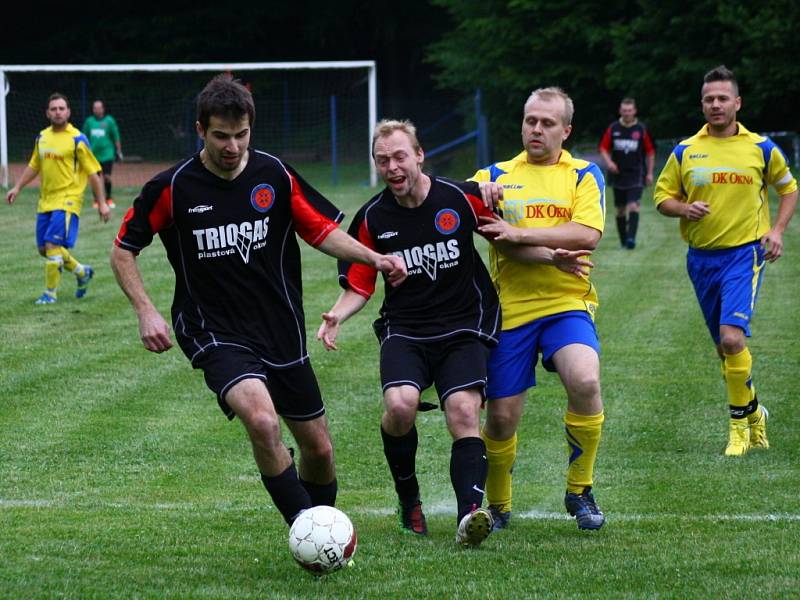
430	509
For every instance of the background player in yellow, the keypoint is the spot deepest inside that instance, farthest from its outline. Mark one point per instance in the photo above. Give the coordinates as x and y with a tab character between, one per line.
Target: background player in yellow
716	183
62	156
551	199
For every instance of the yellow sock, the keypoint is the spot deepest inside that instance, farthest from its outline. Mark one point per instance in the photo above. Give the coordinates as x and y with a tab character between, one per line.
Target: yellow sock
500	454
70	264
738	368
52	269
583	438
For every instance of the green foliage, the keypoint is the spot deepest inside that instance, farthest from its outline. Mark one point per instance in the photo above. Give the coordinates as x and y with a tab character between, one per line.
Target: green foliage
654	51
122	479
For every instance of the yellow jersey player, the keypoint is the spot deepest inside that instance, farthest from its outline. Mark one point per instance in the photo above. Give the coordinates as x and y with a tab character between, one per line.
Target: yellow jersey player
551	199
716	183
62	156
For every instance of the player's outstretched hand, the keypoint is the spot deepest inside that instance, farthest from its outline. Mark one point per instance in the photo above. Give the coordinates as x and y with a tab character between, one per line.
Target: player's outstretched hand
772	244
571	261
394	267
154	331
328	331
103	211
491	193
697	210
496	228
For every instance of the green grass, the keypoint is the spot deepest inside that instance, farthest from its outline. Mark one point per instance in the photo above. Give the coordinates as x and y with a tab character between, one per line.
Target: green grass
120	478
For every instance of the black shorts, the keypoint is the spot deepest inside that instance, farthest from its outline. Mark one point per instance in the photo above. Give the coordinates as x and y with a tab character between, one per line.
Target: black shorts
294	390
107	166
452	364
623	197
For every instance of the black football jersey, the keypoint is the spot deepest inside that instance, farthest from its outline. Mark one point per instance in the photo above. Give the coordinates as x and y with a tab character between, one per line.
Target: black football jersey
233	248
448	290
628	147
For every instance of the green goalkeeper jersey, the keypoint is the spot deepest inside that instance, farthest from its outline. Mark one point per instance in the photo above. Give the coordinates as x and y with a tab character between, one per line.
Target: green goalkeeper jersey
103	135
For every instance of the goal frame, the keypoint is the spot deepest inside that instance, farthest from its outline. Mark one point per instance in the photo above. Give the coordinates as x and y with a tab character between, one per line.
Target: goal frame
369	65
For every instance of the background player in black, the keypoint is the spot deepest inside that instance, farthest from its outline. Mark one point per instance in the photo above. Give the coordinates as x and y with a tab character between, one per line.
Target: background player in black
630	155
437	327
227	218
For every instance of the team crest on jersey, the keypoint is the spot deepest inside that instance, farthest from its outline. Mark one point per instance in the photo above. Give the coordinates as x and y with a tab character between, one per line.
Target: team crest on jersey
447	221
635	135
262	197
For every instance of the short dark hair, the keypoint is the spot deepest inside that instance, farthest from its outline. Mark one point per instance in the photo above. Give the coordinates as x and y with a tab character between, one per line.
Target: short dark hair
226	98
721	73
57	96
628	100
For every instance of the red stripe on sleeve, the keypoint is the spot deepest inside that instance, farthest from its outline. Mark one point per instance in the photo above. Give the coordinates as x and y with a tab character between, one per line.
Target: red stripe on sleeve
605	141
161	215
479	210
309	223
649	147
123	229
361	277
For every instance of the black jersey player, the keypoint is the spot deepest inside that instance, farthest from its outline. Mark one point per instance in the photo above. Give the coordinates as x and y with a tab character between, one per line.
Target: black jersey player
228	217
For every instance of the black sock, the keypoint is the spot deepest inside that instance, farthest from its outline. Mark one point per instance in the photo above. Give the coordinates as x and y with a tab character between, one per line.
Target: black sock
633	224
401	455
468	469
108	190
622	229
289	496
321	493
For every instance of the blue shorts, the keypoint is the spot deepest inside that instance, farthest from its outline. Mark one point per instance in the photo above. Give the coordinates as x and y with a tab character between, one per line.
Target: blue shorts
58	227
512	364
726	283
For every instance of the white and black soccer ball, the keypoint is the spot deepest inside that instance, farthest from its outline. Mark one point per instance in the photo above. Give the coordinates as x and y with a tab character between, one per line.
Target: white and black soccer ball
322	539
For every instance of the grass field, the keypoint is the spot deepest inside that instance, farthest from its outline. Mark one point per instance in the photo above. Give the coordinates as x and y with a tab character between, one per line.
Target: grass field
120	478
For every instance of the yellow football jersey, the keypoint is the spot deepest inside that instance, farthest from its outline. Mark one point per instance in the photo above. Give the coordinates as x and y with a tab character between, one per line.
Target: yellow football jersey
731	174
544	196
64	162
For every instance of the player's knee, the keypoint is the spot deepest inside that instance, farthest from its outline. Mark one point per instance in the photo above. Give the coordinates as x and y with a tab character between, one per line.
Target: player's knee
400	413
732	342
501	424
263	426
584	387
317	451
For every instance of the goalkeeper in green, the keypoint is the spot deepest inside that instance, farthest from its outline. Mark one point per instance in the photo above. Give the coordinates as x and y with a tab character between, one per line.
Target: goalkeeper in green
103	134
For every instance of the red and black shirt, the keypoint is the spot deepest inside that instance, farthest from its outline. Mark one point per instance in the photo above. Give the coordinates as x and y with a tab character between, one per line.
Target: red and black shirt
233	248
448	290
628	147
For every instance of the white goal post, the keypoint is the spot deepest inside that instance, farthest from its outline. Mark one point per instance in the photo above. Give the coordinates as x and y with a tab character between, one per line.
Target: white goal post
368	65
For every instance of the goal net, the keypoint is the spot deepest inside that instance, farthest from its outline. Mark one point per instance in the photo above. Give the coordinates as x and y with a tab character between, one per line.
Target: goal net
318	116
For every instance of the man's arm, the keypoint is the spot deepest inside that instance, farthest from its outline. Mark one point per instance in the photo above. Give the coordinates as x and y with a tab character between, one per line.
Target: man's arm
100	195
348	304
612	166
571	236
773	239
153	329
341	245
28	175
672	207
650	161
569	261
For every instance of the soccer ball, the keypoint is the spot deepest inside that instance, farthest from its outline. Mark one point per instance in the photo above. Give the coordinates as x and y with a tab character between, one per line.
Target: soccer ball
322	539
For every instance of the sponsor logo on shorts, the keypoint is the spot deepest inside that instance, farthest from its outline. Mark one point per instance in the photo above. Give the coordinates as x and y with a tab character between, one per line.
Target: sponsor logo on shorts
262	197
201	209
447	221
